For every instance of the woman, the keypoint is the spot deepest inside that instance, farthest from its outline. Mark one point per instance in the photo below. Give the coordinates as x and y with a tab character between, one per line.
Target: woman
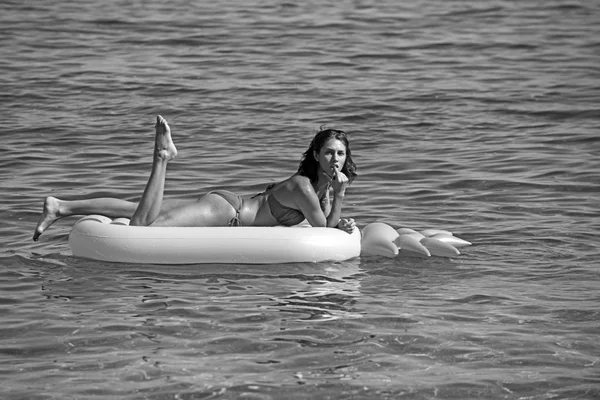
326	164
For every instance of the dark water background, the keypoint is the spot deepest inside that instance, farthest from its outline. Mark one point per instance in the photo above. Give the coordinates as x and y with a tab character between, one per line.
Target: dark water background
480	117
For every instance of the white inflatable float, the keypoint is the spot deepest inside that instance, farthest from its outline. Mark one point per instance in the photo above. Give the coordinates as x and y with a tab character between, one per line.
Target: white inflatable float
100	238
383	240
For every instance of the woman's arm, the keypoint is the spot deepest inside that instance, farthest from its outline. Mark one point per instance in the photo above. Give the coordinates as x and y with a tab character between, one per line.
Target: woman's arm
345	224
326	204
308	202
339	183
335	213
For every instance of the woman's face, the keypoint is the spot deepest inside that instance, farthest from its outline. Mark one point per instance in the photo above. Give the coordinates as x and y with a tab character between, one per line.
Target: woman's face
332	156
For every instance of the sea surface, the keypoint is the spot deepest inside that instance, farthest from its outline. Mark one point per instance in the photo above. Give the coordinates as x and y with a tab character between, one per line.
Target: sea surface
478	117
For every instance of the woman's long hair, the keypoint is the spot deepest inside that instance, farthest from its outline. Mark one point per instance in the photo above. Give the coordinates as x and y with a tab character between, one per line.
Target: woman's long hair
309	167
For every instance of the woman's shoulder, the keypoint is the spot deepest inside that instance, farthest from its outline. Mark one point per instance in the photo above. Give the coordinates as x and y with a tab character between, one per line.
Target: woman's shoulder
294	184
298	181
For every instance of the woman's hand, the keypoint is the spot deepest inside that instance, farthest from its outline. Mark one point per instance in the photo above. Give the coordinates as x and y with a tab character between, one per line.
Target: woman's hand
346	224
339	182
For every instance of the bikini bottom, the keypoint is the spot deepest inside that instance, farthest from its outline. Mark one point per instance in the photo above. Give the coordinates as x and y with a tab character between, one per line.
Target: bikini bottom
235	201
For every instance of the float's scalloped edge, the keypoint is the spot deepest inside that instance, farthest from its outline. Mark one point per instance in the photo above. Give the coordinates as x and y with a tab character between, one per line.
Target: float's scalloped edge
381	239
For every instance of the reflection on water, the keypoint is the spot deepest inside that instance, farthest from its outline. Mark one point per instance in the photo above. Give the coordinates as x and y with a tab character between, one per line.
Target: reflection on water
325	298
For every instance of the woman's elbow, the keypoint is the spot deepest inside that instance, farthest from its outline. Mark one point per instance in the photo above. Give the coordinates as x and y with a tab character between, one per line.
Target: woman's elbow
333	224
318	222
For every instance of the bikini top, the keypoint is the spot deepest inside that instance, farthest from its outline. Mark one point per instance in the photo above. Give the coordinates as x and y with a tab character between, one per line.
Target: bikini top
283	214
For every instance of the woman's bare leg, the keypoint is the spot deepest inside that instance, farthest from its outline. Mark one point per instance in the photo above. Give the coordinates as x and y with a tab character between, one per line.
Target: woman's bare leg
150	204
55	209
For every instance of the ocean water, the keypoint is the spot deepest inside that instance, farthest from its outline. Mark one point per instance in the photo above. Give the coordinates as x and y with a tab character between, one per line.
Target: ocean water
479	117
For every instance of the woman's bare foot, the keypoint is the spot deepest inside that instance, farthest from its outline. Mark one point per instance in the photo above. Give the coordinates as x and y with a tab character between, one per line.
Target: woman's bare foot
164	147
50	214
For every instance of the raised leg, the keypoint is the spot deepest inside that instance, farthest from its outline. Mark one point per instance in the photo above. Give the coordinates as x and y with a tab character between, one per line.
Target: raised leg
150	204
144	212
